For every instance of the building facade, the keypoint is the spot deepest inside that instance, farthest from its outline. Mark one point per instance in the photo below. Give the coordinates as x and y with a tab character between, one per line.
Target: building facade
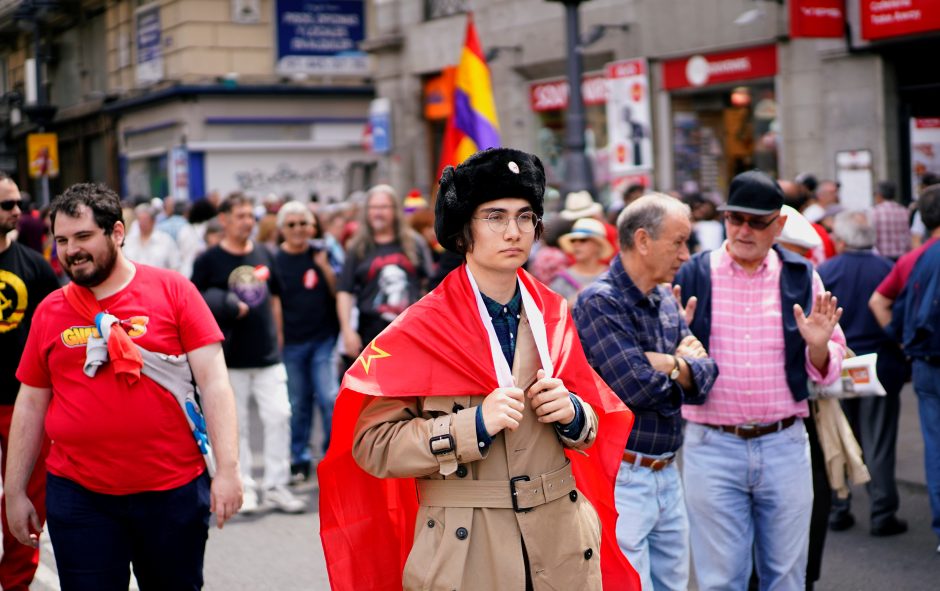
836	88
184	97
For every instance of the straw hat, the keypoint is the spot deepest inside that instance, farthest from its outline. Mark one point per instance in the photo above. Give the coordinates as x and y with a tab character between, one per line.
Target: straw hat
592	230
579	205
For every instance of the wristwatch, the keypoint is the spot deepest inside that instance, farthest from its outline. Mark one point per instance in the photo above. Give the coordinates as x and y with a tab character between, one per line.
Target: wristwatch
674	374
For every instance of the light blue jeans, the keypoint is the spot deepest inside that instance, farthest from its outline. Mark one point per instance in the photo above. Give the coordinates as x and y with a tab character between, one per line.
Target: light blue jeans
653	527
747	499
927	386
311	381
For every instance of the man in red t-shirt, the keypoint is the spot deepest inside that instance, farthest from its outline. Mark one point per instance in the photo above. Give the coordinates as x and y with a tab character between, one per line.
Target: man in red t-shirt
126	480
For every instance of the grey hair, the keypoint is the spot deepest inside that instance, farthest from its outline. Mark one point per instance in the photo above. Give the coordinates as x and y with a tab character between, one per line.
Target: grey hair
855	229
647	213
293	208
146	208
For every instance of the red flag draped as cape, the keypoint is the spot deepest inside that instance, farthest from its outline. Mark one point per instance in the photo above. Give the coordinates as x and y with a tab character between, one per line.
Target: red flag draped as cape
439	347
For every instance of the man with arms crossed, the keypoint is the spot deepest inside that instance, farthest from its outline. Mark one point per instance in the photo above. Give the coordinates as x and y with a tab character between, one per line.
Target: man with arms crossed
747	471
634	335
127	482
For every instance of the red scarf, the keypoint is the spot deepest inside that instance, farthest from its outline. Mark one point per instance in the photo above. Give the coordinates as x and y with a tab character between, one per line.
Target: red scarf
433	349
125	358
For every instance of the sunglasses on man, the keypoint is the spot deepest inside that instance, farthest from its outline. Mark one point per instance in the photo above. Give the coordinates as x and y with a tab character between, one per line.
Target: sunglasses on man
9	204
736	219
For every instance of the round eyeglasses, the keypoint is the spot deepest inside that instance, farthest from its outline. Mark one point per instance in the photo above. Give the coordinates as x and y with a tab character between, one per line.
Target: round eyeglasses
498	221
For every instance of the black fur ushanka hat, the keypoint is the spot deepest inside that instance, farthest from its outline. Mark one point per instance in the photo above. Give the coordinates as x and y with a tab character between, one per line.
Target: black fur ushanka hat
490	174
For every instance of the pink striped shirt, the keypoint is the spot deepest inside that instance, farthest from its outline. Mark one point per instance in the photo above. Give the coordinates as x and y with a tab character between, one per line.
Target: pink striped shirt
747	343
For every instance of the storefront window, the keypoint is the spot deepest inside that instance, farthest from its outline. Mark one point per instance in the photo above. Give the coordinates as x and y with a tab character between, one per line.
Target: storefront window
720	133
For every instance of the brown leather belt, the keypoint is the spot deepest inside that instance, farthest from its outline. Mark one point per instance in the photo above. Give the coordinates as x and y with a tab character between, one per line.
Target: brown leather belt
654	464
752	431
521	493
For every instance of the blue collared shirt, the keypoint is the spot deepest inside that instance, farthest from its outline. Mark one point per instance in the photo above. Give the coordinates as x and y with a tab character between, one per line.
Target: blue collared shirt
617	324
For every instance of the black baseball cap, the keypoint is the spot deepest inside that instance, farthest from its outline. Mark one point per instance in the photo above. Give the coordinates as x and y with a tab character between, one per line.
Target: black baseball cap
755	193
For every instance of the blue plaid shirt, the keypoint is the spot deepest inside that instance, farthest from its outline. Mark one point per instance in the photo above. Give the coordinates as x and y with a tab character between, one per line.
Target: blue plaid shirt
617	324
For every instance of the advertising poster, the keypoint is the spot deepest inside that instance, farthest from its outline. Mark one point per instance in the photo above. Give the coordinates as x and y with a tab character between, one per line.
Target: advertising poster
629	124
43	153
320	37
149	46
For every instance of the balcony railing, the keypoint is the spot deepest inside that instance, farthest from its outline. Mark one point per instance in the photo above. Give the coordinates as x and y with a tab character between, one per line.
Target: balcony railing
440	8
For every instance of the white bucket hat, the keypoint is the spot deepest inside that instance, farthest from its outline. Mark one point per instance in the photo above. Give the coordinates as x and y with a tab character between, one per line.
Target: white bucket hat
580	204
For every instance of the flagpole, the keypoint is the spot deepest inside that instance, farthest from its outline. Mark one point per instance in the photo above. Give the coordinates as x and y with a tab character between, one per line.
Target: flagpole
579	175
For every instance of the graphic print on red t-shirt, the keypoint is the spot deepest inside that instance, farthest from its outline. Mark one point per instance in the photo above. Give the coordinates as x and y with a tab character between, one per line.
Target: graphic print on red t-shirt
107	436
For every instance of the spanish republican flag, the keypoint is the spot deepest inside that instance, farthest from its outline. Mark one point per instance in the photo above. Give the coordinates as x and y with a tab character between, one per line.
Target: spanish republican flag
438	347
472	125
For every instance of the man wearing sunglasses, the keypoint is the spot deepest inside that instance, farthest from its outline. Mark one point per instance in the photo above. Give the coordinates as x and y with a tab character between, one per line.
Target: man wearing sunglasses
766	319
25	279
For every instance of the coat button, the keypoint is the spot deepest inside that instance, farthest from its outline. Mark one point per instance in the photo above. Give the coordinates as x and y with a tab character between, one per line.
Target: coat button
457	408
462	533
461	471
430	523
588	554
573	495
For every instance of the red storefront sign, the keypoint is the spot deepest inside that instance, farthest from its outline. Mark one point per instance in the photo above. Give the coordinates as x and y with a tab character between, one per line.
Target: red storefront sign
552	95
817	18
718	68
927	123
893	18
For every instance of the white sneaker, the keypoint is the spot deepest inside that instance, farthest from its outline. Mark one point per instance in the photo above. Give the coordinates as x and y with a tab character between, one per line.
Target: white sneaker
249	501
278	497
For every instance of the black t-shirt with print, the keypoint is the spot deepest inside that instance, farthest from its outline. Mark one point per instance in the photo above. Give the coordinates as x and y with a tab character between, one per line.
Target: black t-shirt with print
250	341
309	307
25	280
385	282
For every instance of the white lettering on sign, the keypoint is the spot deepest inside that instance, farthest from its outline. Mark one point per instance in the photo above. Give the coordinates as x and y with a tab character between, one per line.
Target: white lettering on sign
698	69
553	95
550	97
896	17
821	12
594	91
881	5
732	66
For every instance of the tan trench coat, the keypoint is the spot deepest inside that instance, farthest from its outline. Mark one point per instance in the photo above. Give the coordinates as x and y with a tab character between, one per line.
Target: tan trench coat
470	548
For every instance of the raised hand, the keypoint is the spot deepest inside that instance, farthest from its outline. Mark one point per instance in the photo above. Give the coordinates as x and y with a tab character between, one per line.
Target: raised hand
550	400
688	311
817	328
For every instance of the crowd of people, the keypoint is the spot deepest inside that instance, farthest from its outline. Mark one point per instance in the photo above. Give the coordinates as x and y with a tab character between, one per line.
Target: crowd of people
716	322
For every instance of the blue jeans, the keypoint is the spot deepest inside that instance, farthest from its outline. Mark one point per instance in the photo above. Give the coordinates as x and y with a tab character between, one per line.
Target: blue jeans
311	381
927	386
96	536
653	527
748	498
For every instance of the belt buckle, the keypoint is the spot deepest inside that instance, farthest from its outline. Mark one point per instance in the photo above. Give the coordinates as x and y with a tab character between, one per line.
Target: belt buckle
745	431
441	451
658	464
515	496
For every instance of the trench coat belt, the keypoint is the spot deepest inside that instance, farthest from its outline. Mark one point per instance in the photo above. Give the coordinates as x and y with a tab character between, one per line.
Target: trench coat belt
497	494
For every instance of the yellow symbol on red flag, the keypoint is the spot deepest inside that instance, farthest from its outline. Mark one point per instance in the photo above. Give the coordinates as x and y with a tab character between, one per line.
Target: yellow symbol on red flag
372	352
